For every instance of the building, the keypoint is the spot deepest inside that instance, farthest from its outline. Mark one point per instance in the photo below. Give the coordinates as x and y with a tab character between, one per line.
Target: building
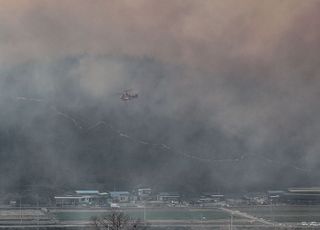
68	200
87	192
309	195
83	198
275	196
255	198
168	197
120	196
144	193
302	195
210	198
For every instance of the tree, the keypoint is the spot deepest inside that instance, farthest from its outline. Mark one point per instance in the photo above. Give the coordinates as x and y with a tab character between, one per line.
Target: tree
118	221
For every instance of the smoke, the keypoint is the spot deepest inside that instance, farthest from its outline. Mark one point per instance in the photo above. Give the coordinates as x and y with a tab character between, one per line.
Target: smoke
229	87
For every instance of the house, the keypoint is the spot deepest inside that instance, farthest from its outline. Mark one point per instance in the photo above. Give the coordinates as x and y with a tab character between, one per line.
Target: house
168	197
68	200
83	197
120	196
306	196
144	193
211	198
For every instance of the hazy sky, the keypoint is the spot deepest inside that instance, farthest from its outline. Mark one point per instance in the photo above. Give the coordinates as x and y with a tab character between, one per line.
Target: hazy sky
233	80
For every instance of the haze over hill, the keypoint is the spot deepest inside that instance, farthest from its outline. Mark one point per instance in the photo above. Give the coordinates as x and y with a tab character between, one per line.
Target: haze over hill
228	94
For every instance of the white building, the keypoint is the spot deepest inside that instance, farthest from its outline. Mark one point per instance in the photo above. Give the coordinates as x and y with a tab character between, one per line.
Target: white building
82	197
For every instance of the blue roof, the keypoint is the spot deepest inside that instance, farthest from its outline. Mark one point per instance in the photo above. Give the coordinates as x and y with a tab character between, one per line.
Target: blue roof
87	192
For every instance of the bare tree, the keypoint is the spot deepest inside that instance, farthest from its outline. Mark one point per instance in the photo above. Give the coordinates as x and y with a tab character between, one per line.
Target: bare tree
118	221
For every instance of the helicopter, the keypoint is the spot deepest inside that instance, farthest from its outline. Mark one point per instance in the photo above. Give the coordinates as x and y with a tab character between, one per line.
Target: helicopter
127	95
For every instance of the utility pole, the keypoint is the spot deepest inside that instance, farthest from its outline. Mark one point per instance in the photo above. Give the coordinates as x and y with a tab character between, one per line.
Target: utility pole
20	211
38	210
144	211
231	221
272	214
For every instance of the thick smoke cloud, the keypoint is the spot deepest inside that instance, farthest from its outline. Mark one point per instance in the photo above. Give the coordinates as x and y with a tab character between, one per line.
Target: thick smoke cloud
228	94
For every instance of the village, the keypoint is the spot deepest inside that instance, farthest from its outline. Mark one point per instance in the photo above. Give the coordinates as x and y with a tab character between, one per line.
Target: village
280	208
146	197
138	198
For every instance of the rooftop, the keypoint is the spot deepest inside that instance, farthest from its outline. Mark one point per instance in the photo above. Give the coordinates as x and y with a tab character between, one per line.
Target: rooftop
168	194
118	193
82	192
305	190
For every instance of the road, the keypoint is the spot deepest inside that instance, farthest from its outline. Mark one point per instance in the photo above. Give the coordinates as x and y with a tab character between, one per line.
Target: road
246	215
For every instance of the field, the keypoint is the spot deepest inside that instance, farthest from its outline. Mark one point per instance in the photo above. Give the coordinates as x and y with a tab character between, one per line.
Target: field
184	218
285	213
24	214
150	214
244	217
